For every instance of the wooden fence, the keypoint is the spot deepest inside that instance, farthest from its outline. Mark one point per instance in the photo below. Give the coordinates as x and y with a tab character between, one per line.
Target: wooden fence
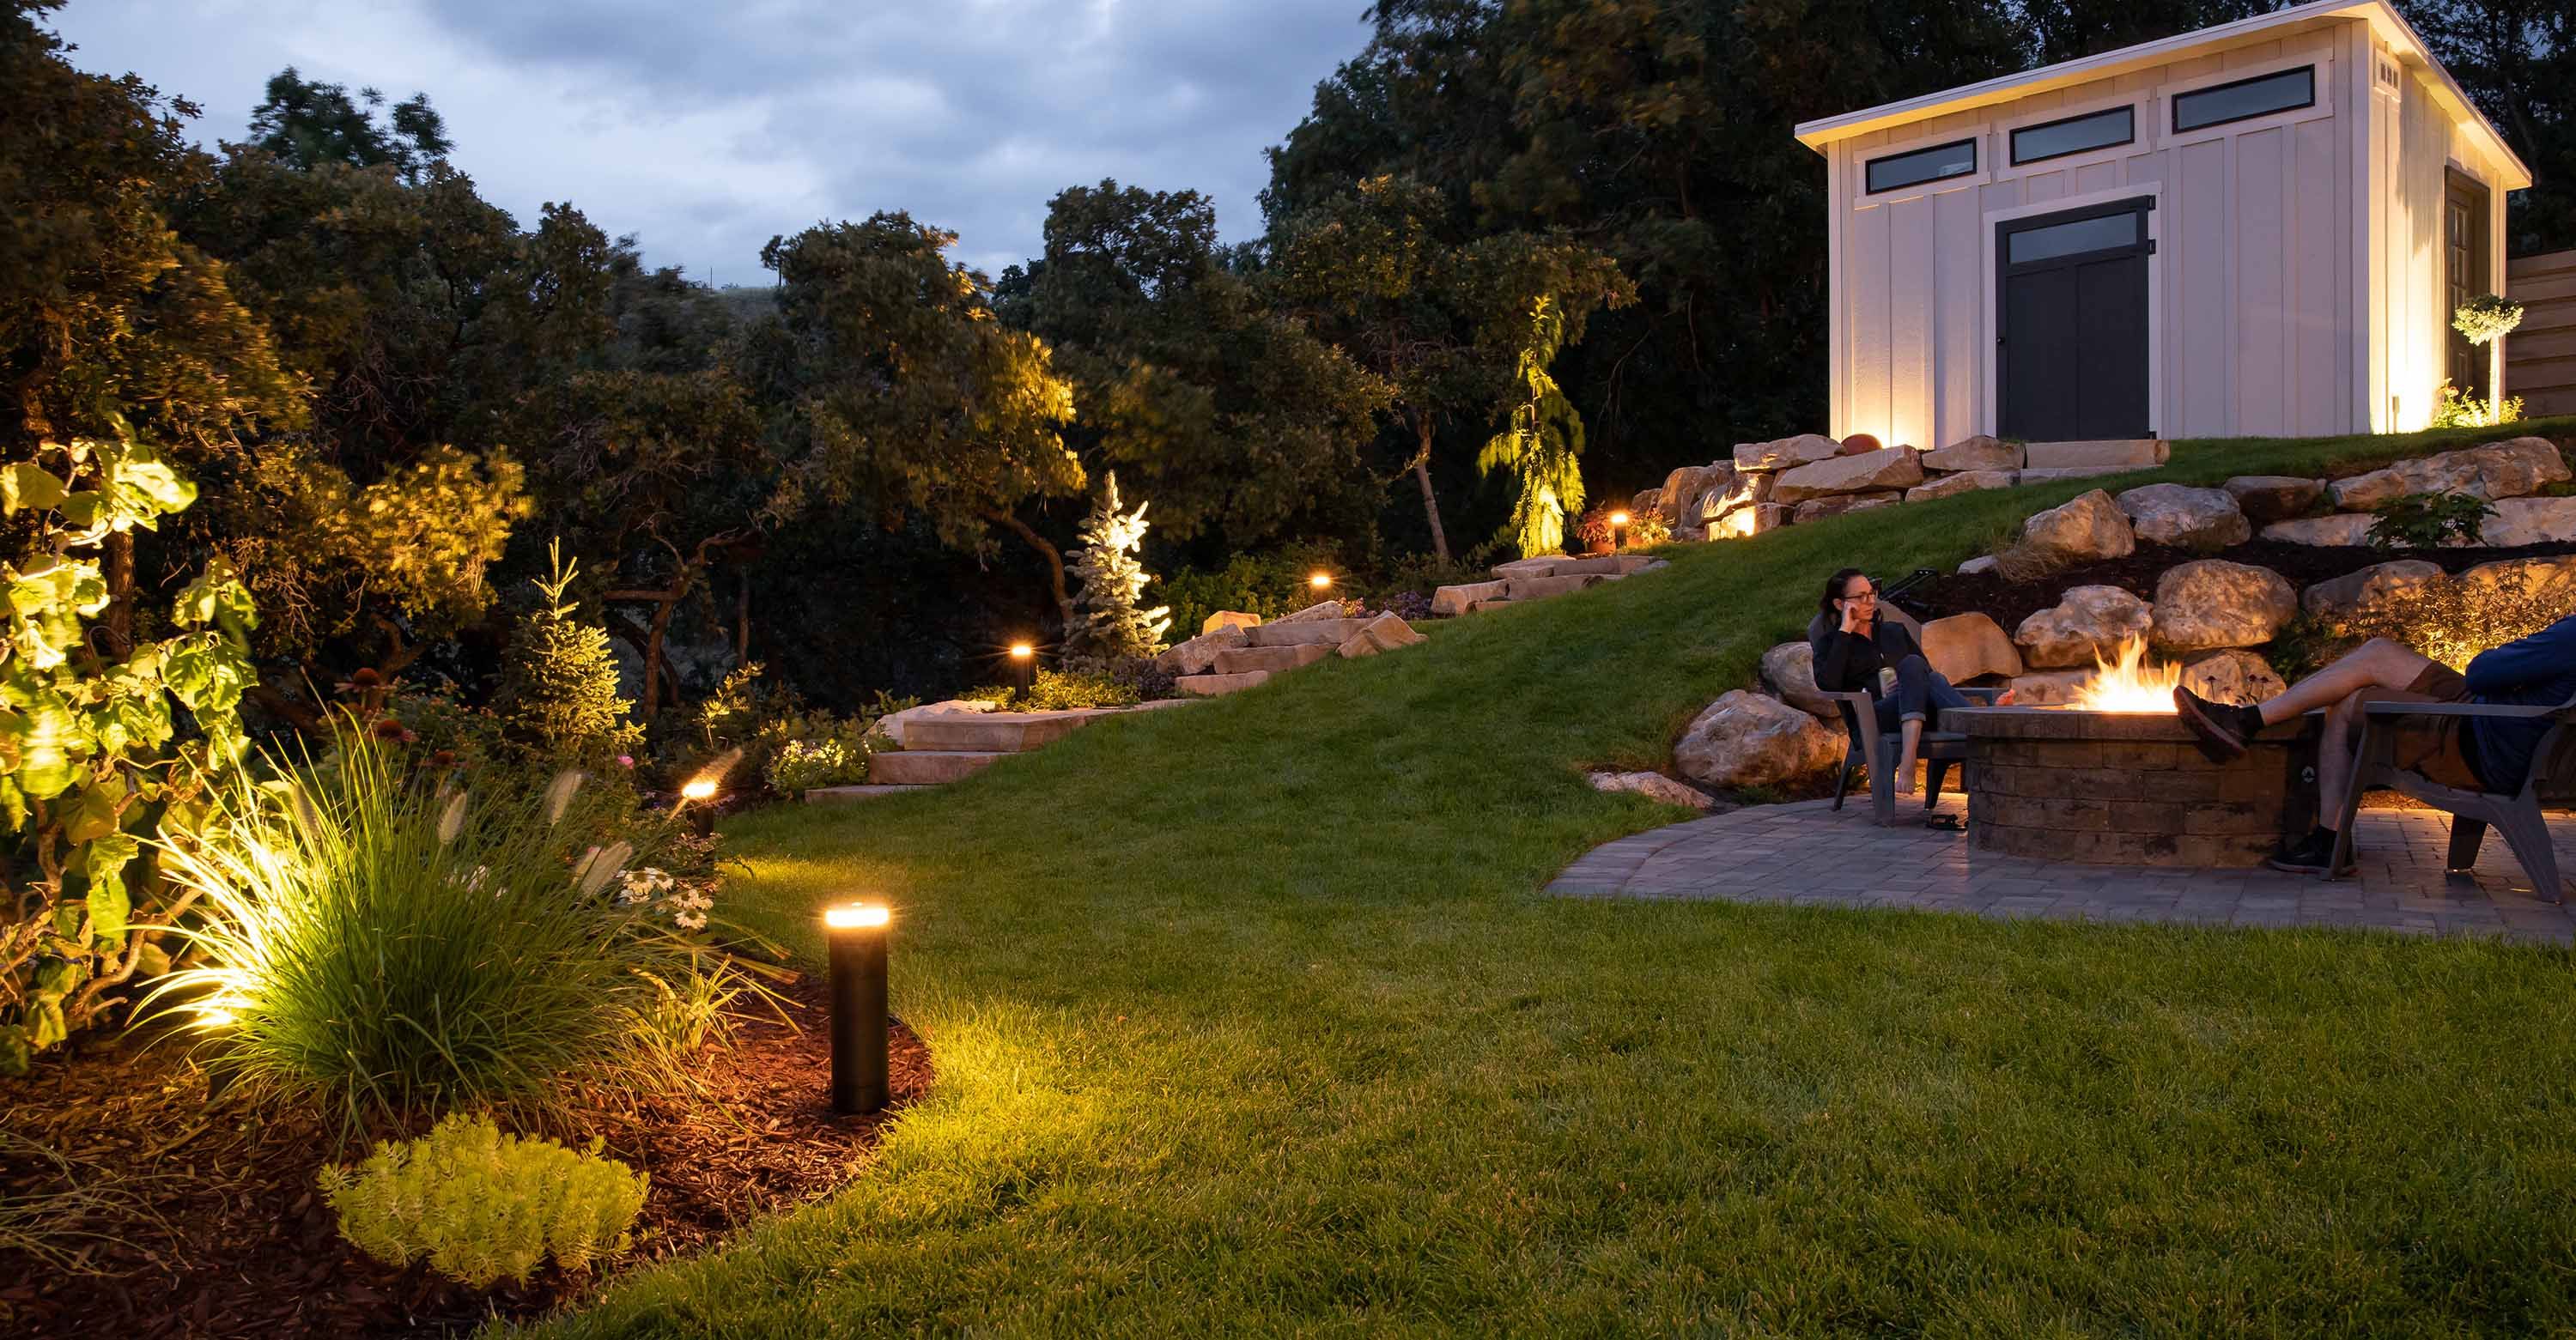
2540	357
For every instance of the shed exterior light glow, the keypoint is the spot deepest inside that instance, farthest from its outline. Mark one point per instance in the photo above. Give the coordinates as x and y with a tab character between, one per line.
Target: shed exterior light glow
843	918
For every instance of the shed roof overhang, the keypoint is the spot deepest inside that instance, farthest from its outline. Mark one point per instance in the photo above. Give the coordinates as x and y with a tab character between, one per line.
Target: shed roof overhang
2390	27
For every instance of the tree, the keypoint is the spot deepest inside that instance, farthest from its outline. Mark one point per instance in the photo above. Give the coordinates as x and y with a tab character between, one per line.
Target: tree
2517	61
1542	445
1445	323
896	390
1237	420
309	123
559	680
1106	620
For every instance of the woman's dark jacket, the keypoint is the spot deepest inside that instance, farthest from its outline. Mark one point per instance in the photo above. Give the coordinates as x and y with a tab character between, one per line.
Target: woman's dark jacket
1847	661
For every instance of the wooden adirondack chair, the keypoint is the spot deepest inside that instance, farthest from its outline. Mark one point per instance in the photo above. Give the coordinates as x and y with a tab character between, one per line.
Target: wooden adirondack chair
1878	750
2516	814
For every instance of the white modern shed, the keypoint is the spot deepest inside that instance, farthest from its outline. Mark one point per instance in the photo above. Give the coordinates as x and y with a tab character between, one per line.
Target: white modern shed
2259	228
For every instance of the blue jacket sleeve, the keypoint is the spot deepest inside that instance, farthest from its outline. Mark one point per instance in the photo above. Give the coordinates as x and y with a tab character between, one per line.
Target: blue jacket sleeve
2547	653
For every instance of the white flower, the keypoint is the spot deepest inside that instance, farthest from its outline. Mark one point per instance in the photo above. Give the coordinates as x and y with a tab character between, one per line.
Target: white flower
690	921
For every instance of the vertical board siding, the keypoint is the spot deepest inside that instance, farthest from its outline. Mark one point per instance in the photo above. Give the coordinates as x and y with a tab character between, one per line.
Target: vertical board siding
2258	327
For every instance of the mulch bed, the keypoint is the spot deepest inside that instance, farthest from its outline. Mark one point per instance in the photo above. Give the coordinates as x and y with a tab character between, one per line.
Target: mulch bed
2303	564
237	1241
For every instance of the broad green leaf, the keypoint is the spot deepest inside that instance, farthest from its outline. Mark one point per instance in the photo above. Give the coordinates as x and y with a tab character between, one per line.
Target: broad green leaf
25	484
95	814
108	903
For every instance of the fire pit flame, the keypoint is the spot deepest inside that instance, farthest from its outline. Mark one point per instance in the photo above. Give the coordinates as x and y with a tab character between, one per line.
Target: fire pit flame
2131	684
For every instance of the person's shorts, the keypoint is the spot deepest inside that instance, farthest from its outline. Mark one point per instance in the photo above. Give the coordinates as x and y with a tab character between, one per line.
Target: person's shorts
2434	748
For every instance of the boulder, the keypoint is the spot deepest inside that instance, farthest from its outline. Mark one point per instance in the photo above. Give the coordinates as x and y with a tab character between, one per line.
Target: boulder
1745	739
2083	530
1817	509
2049	688
2344	531
1653	786
1744	490
1386	632
1452	601
2232	675
1859	444
2185	517
2550	579
2380	584
1198	655
2268	498
1975	453
2087	624
1284	633
1890	468
1322	609
1540	588
1790	670
2043	474
2496	471
2117	454
1982	563
1217	686
1964	646
1965	481
2521	521
1766	517
893	724
1785	453
1686	489
1228	619
1648	502
2215	603
1270	660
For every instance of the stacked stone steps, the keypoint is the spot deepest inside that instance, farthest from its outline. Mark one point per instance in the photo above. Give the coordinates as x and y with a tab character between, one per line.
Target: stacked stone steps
1272	659
943	749
1216	685
844	795
1528	579
930	767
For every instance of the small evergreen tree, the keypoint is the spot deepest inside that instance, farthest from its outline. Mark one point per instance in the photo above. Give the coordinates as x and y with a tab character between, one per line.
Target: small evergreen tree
1106	621
559	680
1543	444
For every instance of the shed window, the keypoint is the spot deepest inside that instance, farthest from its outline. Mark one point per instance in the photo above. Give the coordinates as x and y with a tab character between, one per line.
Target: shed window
2074	135
2049	242
2245	98
1922	165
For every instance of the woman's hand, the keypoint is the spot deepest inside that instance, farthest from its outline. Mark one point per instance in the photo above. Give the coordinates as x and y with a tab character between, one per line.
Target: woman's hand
1852	622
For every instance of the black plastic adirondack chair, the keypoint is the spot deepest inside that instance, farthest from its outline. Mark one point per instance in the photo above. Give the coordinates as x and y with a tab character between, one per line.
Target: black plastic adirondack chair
1867	746
2515	814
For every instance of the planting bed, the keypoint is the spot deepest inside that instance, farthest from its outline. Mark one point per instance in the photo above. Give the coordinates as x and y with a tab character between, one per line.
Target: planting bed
234	1240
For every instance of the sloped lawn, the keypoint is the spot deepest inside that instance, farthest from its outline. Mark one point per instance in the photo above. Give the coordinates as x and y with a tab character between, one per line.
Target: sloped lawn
1250	1017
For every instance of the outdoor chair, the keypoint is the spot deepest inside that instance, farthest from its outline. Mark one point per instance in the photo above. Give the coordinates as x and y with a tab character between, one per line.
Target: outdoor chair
2517	814
1867	746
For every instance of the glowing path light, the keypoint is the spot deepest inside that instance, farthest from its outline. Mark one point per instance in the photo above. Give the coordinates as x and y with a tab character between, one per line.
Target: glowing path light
857	936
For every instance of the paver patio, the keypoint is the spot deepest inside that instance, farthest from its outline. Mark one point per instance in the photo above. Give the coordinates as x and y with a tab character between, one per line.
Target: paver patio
1810	855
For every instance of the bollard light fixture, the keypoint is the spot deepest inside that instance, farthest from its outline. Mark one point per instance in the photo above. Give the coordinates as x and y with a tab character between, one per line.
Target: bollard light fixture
1618	523
857	940
1025	658
698	789
1320	580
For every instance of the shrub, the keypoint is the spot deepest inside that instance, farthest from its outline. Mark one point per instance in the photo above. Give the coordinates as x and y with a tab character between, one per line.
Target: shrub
764	721
1063	690
558	694
1107	621
2486	318
377	947
838	759
2451	620
1267	585
2467	411
483	1206
2425	520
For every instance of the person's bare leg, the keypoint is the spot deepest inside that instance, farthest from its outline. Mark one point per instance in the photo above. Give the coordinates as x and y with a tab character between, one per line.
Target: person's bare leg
2376	664
1912	736
2334	760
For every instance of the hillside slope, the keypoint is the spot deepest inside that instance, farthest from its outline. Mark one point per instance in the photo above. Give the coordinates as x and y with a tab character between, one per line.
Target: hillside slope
1250	1017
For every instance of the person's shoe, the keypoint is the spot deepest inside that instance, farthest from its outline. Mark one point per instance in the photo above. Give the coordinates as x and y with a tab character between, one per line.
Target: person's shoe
2309	855
2219	728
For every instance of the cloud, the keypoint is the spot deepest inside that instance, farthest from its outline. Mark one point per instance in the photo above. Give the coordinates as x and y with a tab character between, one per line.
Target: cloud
707	128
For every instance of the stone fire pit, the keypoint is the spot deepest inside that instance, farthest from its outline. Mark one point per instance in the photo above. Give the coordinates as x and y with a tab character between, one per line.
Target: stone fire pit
2123	788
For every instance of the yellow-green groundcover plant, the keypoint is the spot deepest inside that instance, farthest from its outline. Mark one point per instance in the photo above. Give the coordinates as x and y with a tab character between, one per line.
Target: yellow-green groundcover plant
484	1206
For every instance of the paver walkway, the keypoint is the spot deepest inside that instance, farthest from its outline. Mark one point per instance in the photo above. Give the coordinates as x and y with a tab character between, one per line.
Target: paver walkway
1811	856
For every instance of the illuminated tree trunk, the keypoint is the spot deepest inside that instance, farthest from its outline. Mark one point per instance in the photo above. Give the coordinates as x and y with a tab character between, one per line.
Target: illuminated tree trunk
1422	475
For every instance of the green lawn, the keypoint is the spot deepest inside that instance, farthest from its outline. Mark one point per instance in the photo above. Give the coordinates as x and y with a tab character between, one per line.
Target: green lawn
1250	1017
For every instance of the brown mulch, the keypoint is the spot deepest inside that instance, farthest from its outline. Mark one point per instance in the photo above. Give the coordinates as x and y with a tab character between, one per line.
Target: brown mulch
2303	564
227	1235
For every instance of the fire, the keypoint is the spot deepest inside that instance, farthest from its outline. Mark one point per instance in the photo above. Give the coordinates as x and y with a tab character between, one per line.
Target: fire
2130	684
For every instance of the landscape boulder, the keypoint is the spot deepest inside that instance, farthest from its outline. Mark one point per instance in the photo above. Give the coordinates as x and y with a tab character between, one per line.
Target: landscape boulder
1542	588
1975	453
1870	472
2106	454
1860	444
2521	521
1386	632
1653	786
1965	481
2268	498
2084	530
1452	601
1759	519
2380	584
2185	517
2548	579
2232	675
2496	471
1817	509
1228	619
1746	739
1198	655
2214	603
1964	646
1686	489
2342	531
1982	563
2087	624
2049	688
893	724
1786	452
1322	609
1745	489
1648	502
1790	670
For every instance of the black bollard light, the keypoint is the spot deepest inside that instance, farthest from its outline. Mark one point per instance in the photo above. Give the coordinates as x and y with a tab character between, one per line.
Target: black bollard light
1618	524
1024	659
858	952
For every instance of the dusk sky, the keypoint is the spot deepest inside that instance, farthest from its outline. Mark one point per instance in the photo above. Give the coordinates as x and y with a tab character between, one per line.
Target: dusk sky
706	128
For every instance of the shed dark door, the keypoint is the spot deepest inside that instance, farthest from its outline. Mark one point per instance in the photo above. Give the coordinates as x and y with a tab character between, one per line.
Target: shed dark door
2464	276
2072	348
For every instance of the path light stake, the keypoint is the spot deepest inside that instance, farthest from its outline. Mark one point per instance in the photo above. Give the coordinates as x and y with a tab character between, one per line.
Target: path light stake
1618	523
1025	658
858	952
1320	580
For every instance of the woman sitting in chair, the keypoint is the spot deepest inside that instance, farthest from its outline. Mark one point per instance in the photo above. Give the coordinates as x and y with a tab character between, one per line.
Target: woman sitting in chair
1857	649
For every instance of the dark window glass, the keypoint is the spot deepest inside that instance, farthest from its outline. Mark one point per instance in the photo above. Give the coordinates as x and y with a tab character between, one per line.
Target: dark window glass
2246	97
1946	160
2074	135
2067	239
